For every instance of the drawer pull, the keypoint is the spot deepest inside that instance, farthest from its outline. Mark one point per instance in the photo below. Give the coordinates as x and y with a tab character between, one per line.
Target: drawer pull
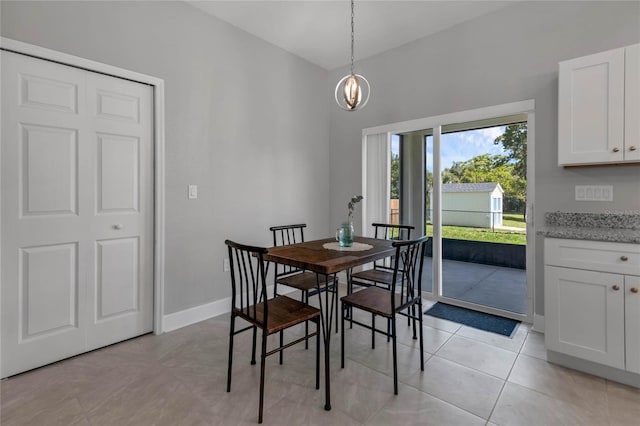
616	149
634	290
632	148
615	287
624	258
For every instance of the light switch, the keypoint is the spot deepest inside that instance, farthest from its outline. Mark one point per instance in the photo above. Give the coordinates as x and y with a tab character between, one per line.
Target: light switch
193	192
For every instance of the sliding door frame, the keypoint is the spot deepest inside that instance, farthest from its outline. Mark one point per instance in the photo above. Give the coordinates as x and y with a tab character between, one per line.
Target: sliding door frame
436	123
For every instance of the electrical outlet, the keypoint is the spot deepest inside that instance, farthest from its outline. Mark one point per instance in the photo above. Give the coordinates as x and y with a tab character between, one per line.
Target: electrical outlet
225	265
594	192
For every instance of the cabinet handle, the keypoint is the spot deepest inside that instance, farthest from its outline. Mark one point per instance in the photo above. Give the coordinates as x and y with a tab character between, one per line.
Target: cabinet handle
634	290
624	258
632	148
616	149
615	287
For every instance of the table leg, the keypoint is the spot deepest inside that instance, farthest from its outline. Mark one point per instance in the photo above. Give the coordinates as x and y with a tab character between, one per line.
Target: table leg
326	317
349	291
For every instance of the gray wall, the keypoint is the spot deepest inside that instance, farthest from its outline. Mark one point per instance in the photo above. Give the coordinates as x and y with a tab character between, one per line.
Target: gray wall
236	126
245	121
507	56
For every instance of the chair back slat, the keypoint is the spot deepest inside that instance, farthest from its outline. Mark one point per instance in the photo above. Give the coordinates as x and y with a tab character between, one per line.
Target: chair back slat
391	231
407	276
285	235
394	232
248	279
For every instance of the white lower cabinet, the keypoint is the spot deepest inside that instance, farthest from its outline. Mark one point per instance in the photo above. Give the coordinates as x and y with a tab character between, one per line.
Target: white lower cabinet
632	322
592	312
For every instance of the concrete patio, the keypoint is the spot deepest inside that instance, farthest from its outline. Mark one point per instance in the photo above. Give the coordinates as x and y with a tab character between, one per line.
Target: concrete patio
494	286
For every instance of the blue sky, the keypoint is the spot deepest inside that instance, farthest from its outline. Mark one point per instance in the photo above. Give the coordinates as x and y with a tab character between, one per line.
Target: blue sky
461	146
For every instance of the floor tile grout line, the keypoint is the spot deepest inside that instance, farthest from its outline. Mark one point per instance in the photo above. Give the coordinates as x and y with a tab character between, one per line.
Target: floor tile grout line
442	400
563	401
504	384
475	369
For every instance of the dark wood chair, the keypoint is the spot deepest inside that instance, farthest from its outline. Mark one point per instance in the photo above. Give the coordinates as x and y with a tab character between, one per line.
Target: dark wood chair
404	297
298	278
249	302
382	272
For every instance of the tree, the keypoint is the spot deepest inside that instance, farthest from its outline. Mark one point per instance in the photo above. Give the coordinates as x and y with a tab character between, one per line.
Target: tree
428	181
395	176
514	142
490	168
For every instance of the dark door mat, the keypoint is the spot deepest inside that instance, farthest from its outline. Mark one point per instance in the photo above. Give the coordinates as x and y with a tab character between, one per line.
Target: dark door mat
475	319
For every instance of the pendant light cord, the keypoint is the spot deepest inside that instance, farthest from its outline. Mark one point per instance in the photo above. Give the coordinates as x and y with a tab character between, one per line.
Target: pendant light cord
352	34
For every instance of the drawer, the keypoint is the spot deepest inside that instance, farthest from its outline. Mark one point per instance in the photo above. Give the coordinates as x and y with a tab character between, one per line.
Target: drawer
618	258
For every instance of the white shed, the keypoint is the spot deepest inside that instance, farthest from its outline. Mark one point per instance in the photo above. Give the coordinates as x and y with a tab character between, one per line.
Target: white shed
472	204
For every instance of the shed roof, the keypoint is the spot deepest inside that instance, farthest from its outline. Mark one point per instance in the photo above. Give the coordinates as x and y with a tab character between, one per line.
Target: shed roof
471	187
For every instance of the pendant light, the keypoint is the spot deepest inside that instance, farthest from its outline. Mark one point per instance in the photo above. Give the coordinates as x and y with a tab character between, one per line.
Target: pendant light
352	91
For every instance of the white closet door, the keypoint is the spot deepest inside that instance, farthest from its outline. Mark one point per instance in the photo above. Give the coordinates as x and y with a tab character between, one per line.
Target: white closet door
76	211
121	237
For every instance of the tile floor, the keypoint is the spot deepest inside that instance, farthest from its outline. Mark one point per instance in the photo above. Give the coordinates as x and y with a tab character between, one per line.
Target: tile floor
470	377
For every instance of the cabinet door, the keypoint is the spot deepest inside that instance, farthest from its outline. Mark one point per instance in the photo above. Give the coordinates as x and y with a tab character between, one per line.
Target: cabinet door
632	322
584	313
632	104
591	109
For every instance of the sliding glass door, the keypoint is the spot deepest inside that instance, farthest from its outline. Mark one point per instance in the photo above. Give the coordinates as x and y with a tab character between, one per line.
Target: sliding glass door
483	200
462	179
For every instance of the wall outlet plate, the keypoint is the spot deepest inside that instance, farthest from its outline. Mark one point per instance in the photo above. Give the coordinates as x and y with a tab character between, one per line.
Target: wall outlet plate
594	192
193	192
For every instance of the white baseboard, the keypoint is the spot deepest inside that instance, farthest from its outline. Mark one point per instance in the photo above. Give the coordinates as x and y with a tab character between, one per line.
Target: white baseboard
196	314
176	320
538	323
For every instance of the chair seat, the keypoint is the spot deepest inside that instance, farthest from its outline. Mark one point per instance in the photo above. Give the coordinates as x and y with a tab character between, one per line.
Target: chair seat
375	275
304	281
372	299
284	312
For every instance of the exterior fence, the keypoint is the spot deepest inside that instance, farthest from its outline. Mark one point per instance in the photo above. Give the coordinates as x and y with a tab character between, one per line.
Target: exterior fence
394	211
462	218
470	218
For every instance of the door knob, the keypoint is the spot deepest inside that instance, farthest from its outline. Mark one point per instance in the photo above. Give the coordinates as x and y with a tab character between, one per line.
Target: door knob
615	287
634	290
632	148
616	149
117	226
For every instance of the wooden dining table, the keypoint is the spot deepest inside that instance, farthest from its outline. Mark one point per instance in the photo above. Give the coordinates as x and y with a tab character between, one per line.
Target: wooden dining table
313	256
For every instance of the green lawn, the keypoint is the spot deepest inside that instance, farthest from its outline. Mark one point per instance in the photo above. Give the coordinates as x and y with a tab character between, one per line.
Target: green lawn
513	219
482	234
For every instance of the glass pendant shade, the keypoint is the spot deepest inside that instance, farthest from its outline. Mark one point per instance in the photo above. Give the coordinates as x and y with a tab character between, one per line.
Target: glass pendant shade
352	92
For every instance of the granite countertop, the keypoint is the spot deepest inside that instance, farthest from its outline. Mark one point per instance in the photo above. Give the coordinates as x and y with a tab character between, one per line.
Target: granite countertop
619	228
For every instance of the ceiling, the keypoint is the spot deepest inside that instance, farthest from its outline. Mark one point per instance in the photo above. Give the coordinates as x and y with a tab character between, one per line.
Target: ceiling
319	31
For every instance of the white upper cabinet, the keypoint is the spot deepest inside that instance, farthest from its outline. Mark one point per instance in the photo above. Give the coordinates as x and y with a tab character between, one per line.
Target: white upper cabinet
599	108
632	103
